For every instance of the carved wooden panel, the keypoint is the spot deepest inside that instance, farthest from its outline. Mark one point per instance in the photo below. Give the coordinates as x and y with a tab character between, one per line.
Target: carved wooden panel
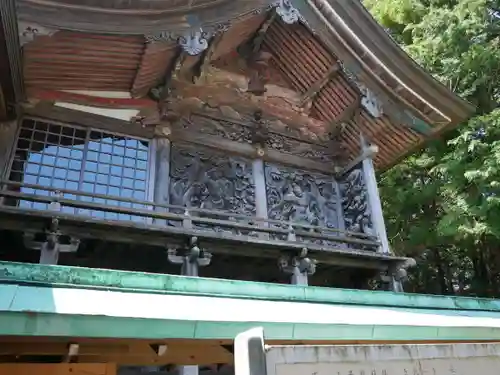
278	136
202	178
301	197
355	205
224	128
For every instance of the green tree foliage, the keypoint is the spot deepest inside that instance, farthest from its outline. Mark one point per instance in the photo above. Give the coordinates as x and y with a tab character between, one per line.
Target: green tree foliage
442	205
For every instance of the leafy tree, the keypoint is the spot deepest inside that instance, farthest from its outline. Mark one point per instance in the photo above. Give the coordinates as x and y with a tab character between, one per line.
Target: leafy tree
442	205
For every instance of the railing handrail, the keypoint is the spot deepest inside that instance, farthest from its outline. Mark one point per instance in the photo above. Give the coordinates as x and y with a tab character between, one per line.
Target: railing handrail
298	229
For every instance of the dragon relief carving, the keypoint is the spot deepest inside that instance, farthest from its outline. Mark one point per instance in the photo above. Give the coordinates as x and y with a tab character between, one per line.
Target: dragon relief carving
355	205
200	178
300	197
260	132
222	128
300	148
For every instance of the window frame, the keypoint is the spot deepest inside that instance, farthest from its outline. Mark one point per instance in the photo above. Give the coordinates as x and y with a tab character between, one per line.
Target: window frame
151	149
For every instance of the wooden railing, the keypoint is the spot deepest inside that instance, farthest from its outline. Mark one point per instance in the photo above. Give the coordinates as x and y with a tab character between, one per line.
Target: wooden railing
177	217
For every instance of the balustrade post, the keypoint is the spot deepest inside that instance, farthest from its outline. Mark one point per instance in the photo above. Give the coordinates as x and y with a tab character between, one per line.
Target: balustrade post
299	267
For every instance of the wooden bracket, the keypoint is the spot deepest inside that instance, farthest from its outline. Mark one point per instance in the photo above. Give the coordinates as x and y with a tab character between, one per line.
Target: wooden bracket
206	59
368	152
257	59
337	125
260	131
258	39
316	88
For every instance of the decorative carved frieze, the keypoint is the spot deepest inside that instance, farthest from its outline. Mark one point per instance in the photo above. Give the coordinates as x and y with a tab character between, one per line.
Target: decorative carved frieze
260	132
300	148
201	178
218	127
301	197
355	205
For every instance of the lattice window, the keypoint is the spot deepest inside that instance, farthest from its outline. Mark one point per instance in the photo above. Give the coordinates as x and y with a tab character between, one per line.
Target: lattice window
82	159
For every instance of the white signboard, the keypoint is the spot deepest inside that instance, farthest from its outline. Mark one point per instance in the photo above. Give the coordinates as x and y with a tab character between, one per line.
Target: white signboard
252	357
428	359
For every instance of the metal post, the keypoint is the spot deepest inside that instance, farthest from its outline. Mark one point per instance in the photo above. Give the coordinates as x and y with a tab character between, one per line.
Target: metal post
190	263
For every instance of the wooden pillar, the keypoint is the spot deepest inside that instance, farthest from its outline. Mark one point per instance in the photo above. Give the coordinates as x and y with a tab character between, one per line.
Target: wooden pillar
376	212
374	200
259	178
161	177
8	132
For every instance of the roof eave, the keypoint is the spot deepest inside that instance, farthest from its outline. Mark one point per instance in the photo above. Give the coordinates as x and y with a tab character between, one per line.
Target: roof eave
365	41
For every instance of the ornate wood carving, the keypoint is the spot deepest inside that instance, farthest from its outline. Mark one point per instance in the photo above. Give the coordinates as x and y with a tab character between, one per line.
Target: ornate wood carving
261	132
301	197
288	13
201	178
300	148
355	205
219	127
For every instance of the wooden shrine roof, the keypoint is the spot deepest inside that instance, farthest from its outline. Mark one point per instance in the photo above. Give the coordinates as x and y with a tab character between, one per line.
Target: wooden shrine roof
318	70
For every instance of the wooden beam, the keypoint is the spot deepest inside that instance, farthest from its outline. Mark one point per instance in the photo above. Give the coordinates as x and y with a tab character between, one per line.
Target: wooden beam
316	88
368	152
257	60
258	39
187	67
58	369
336	126
89	100
207	59
47	110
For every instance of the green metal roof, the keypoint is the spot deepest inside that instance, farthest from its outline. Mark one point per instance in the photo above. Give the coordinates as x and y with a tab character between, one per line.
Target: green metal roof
44	300
160	283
